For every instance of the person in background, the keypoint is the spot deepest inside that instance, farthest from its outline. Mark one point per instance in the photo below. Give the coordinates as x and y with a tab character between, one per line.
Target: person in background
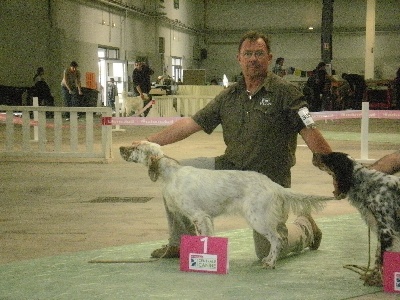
142	84
358	89
278	68
317	88
112	92
71	85
343	97
38	75
260	120
42	89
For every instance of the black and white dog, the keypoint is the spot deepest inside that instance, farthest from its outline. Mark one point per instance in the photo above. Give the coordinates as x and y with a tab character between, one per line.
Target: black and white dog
376	195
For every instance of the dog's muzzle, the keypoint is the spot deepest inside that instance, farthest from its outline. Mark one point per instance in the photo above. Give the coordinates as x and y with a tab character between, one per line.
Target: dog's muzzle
126	152
317	159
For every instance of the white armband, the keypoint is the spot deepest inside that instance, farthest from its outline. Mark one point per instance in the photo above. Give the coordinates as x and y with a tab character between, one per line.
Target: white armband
306	117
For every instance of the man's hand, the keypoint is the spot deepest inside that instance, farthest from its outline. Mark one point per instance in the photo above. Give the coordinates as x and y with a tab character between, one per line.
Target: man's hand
137	143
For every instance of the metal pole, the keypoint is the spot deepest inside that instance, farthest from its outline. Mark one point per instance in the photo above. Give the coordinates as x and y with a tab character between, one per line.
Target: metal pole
35	102
326	31
370	40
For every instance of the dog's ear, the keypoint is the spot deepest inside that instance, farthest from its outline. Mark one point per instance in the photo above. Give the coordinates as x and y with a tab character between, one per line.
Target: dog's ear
342	166
154	168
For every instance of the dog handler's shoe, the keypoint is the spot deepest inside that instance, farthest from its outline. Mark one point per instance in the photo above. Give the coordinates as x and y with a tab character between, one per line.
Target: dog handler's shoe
317	233
166	251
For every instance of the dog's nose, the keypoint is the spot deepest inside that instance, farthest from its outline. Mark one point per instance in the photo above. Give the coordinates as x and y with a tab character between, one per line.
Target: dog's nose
124	151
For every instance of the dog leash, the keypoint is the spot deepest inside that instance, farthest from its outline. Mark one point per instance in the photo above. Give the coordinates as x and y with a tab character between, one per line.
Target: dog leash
370	276
106	261
127	261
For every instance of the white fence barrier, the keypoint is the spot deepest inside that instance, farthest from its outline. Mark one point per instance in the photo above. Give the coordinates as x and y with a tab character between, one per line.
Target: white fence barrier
179	105
49	134
365	115
167	106
81	137
168	109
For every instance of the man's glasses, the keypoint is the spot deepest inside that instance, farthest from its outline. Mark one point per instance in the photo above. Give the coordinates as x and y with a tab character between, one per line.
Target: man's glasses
257	54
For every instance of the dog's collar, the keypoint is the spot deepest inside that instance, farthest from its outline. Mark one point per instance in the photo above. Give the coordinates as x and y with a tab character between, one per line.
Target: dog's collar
157	158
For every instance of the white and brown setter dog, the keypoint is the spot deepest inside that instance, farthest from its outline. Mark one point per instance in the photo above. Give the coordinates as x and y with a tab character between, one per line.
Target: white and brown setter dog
376	195
202	194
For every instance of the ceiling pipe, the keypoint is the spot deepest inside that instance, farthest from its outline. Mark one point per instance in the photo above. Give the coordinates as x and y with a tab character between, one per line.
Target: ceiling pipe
145	13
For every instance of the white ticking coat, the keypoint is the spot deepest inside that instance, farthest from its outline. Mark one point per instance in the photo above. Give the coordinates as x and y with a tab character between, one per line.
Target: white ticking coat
202	194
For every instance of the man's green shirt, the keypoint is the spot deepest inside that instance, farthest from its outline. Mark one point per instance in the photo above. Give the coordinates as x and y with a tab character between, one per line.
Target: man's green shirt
260	132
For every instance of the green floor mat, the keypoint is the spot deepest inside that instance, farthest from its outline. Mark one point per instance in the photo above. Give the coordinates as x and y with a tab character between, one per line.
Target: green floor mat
310	275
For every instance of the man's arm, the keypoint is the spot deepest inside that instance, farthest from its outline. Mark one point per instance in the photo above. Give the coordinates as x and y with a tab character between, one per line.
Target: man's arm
65	81
78	82
389	164
315	141
175	132
139	89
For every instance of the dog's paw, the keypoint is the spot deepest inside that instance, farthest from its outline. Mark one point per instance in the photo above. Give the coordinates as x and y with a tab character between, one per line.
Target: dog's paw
267	264
373	278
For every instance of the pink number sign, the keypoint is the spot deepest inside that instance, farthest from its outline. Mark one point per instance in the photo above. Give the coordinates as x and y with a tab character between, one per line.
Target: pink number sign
391	272
204	254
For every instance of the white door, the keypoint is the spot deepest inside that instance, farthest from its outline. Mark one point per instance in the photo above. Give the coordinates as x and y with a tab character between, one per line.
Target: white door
116	69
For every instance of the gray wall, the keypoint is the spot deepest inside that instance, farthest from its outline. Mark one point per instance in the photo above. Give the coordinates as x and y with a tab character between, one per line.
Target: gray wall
51	33
287	22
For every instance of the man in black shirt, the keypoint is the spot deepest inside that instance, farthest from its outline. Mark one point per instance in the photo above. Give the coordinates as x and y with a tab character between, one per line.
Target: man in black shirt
358	88
141	82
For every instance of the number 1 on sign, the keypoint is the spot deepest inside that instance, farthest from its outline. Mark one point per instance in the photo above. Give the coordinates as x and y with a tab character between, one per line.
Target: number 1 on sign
205	246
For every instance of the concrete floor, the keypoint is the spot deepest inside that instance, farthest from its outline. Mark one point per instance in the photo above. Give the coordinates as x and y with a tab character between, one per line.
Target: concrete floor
55	217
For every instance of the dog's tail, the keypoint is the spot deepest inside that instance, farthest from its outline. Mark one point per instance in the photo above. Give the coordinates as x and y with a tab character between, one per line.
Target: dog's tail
305	204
